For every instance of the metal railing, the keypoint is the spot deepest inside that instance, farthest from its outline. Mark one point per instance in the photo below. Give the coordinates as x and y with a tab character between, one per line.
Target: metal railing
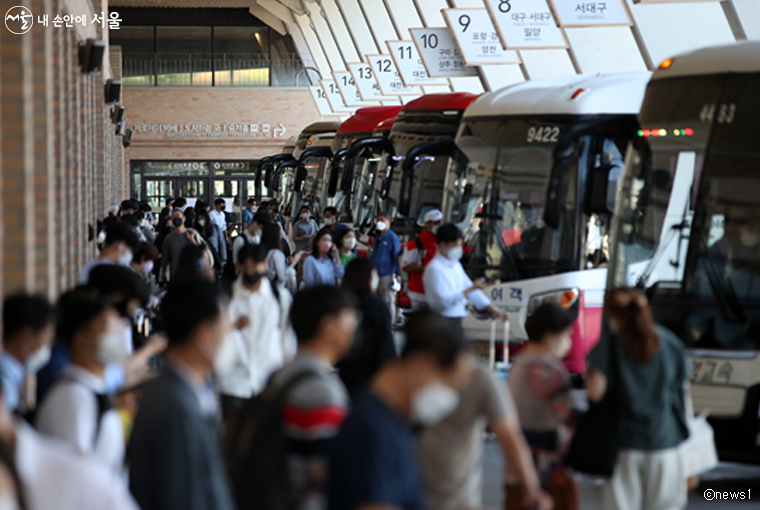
224	71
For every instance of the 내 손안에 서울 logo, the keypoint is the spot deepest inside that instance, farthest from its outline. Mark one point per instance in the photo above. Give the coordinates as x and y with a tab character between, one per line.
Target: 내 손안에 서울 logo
19	19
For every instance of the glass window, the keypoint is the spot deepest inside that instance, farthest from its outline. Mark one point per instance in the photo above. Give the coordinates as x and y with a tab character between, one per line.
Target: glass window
137	54
241	56
183	56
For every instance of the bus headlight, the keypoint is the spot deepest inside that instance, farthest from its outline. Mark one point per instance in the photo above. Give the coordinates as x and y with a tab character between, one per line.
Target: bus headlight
566	298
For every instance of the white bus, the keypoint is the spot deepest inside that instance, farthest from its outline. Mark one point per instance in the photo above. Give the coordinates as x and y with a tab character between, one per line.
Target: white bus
687	228
538	195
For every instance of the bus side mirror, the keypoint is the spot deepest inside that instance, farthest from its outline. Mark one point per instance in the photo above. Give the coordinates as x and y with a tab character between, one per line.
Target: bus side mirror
597	191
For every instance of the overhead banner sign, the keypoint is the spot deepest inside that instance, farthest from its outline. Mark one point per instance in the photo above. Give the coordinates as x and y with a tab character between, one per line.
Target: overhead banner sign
334	98
349	91
476	37
320	98
526	24
578	13
410	65
365	81
388	77
671	1
440	53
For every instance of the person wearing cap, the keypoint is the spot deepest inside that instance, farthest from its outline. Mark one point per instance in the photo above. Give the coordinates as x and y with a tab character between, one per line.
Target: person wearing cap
417	253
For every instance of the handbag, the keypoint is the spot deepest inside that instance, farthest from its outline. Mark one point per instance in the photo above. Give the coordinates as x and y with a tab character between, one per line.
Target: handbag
698	452
594	446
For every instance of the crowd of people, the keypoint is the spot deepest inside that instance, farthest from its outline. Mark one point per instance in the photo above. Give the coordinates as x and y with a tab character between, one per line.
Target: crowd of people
194	367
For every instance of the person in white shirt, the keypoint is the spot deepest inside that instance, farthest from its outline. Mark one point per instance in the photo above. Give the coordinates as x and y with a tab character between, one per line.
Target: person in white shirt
77	408
263	341
447	286
219	219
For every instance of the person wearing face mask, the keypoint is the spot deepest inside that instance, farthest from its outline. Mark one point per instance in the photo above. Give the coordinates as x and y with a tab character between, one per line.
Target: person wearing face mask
253	234
385	252
447	286
372	461
418	252
219	219
374	345
347	246
28	330
173	245
145	229
77	408
264	340
541	387
331	223
175	457
248	212
144	260
304	230
120	241
323	266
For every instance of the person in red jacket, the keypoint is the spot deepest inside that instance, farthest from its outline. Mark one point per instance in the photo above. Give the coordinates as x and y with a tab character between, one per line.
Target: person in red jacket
417	253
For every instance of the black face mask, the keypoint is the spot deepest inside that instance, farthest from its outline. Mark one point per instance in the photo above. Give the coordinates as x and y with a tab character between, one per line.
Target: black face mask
177	222
252	279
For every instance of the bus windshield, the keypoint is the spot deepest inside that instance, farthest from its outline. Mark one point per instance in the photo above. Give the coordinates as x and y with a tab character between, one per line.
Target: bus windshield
507	238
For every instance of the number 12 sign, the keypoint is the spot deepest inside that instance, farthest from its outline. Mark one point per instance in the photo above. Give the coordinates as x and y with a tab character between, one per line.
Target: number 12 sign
388	77
525	24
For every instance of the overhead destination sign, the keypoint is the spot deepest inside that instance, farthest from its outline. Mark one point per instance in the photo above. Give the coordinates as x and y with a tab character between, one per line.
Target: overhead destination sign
364	78
349	91
525	24
584	13
410	65
440	53
477	38
334	98
388	77
320	98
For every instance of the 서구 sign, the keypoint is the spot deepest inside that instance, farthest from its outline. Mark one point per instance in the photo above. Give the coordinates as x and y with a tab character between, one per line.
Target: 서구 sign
477	38
388	77
410	65
349	91
525	24
333	97
587	13
320	98
365	81
440	53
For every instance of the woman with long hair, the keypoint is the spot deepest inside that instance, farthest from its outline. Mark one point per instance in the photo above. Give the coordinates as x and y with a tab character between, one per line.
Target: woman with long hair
373	345
323	266
649	382
278	270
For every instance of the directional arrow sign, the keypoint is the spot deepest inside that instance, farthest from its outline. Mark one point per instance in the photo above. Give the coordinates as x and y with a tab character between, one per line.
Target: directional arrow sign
320	98
524	24
410	64
477	38
440	53
334	97
365	81
388	77
280	131
349	91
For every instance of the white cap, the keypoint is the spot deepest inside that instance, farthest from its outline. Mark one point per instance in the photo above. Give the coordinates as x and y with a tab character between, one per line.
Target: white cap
434	215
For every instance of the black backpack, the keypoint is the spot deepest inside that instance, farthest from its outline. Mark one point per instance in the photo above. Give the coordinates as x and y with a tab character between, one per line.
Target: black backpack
257	451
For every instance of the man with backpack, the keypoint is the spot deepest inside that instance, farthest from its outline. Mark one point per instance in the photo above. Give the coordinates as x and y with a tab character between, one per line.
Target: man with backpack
264	340
417	253
279	449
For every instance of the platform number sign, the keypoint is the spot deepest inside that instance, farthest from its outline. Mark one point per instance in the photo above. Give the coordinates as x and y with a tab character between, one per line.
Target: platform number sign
410	65
348	89
388	77
526	24
591	13
320	99
366	83
477	38
440	53
334	97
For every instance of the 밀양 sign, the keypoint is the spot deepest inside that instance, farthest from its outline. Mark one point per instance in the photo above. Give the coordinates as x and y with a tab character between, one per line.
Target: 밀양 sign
349	91
410	64
388	77
585	13
365	81
477	38
333	96
440	53
320	98
525	24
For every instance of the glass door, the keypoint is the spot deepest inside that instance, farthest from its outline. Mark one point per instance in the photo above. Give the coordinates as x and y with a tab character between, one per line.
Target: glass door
231	190
192	190
157	191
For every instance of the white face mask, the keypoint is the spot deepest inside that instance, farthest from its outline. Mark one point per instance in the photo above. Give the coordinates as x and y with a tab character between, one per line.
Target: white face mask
145	224
305	216
148	267
125	258
112	348
381	226
455	253
435	229
349	243
38	359
329	221
433	403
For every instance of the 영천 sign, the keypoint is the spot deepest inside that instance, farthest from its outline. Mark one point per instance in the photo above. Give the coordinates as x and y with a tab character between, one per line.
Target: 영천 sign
586	13
477	38
440	53
410	64
388	77
525	24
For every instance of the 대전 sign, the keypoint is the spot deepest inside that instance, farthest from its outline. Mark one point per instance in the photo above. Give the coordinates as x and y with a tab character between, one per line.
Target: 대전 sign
525	24
440	53
410	64
213	130
388	77
477	38
587	13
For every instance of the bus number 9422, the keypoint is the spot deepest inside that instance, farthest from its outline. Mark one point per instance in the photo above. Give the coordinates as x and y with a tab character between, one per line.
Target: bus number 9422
547	134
